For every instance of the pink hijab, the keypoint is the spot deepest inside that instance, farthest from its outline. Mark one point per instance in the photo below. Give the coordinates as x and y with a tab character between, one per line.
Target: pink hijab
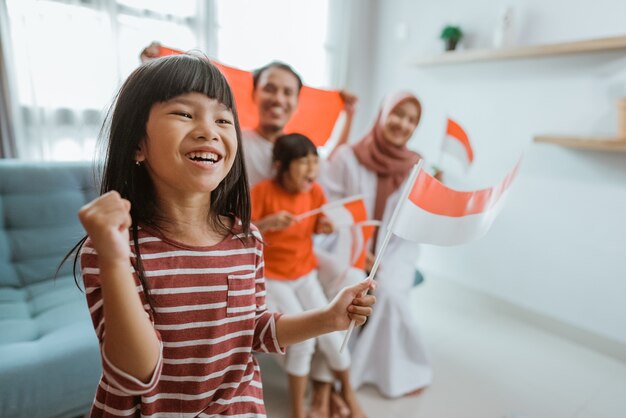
391	163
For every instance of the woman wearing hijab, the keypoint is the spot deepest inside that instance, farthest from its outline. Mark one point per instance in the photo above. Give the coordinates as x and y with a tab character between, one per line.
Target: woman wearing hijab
388	352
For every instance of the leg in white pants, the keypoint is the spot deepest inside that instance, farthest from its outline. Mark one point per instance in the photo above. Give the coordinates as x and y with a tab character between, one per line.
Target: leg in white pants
281	297
332	280
295	296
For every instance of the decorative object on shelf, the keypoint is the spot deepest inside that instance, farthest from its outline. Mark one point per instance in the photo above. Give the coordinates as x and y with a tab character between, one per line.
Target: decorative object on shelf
505	33
451	35
621	118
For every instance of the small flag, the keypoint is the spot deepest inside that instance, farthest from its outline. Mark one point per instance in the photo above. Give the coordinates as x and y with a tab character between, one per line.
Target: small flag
346	212
325	105
436	214
456	143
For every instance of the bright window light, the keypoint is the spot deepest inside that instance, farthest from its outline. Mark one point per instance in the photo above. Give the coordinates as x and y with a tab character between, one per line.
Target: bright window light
179	8
253	33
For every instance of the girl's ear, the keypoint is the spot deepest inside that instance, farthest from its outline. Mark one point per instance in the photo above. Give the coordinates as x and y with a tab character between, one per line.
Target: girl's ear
139	155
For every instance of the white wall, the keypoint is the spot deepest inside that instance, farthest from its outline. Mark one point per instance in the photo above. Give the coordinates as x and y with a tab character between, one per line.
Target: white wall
559	246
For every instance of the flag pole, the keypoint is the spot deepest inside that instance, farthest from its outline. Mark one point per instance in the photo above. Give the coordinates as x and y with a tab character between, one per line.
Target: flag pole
405	194
308	213
442	149
332	204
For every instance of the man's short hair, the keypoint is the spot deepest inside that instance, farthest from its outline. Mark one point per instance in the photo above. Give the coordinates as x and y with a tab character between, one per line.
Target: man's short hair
256	74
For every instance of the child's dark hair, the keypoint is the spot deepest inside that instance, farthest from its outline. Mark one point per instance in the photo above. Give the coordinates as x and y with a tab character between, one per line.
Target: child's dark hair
256	74
288	148
125	127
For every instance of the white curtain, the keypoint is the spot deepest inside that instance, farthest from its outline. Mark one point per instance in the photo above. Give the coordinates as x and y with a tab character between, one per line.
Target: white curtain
8	108
70	58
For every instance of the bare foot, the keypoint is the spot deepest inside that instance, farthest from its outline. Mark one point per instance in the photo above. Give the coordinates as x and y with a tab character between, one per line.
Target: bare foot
320	401
319	411
338	407
353	404
416	392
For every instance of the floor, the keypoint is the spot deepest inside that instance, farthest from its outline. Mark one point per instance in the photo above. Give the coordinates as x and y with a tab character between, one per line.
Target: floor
489	365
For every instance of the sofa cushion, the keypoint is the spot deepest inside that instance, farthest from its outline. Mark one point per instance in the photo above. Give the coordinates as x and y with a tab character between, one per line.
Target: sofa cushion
38	204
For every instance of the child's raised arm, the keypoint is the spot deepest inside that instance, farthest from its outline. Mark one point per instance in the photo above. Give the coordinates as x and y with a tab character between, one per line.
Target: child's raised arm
130	341
348	305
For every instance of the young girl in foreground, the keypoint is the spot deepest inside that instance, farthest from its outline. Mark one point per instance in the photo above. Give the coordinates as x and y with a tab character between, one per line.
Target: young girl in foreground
173	270
291	265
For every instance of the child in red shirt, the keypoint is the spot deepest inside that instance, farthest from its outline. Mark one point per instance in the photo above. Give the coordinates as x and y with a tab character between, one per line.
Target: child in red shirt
290	262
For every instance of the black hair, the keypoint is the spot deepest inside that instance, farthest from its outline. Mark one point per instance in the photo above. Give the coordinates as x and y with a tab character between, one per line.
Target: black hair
288	148
256	74
125	127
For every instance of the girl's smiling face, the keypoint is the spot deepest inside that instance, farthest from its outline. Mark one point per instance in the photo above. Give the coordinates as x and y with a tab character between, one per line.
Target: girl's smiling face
190	144
301	174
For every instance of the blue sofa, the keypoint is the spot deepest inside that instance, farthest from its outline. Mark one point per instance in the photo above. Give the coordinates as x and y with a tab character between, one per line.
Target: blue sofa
49	356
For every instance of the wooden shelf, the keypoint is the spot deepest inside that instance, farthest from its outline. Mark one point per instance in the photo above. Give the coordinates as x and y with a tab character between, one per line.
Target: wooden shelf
588	143
613	45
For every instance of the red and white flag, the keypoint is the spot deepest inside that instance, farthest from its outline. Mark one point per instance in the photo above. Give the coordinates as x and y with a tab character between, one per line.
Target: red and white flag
343	212
326	105
456	143
436	214
361	235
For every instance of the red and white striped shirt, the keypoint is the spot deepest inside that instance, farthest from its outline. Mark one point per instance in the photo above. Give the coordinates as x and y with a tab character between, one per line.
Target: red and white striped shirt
210	317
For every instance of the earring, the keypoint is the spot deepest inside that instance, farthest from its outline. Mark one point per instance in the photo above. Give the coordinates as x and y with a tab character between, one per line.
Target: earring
138	163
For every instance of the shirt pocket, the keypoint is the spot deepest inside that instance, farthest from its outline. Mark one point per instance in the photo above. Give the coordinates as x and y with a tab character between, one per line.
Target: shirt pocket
241	295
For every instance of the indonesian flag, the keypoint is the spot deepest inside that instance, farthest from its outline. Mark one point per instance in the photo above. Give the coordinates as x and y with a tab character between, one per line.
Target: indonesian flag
433	213
361	234
346	212
343	212
456	143
315	116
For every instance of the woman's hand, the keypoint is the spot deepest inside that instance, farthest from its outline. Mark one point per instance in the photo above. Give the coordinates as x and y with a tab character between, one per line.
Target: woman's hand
324	226
106	220
276	222
350	304
150	52
349	102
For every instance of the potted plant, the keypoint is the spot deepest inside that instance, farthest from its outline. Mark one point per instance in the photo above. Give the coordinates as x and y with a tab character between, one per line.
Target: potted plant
451	35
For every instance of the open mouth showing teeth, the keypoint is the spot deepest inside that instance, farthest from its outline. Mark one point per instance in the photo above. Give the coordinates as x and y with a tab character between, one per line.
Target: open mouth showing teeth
204	157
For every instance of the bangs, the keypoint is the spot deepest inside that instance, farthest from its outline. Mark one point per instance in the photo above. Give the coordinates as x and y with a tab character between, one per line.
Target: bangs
174	75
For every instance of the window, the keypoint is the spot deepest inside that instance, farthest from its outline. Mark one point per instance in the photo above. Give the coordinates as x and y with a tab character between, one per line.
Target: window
71	56
252	33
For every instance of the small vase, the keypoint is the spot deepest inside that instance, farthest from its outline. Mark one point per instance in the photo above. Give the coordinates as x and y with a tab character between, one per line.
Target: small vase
451	44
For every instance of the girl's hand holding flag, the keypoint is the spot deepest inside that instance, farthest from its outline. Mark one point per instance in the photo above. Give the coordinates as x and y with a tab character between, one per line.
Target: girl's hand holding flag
276	221
352	304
